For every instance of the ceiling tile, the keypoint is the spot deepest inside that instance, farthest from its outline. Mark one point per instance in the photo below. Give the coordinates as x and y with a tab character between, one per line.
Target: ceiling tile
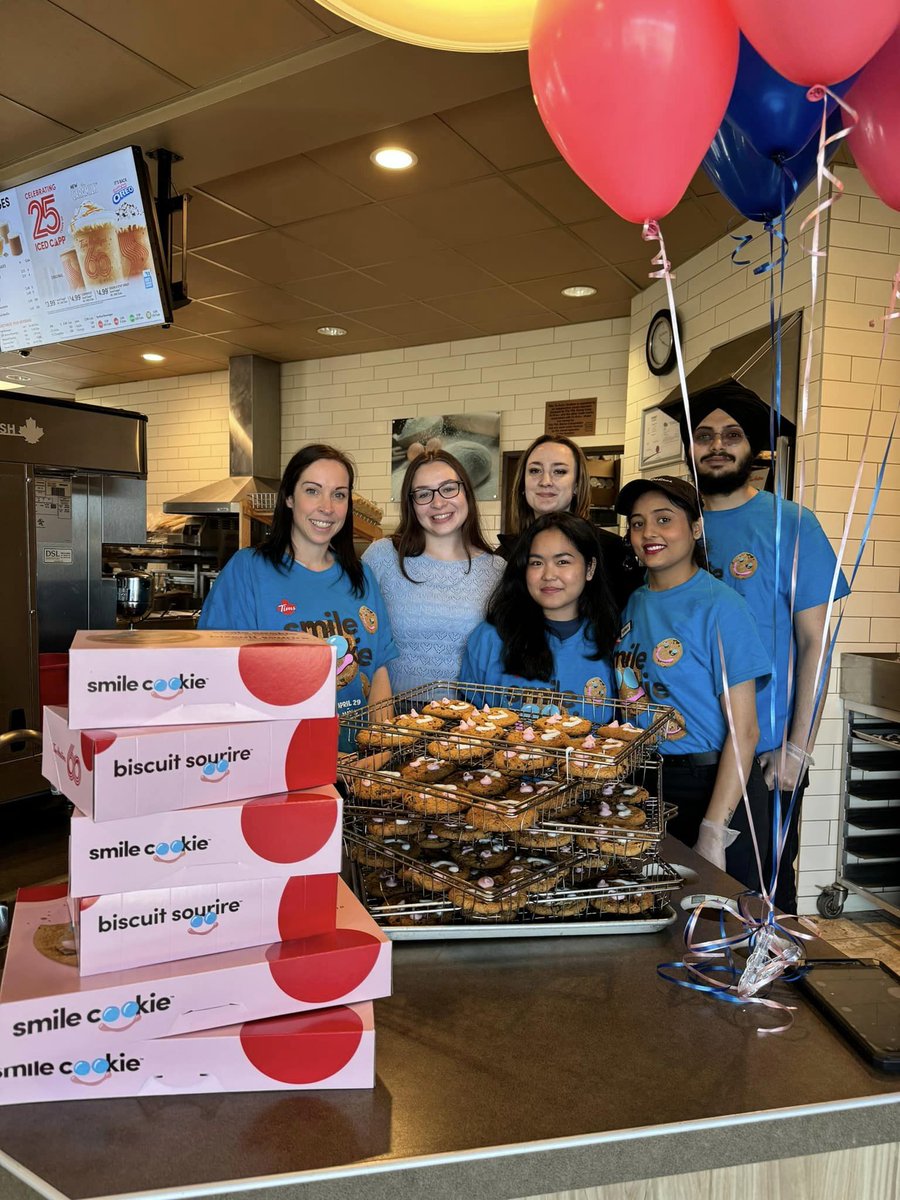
73	91
612	290
151	333
207	349
292	189
556	187
280	344
403	319
688	229
480	307
444	158
268	304
271	257
357	346
46	353
506	129
615	240
210	222
513	324
23	132
204	40
206	318
308	328
344	291
74	369
440	274
702	185
533	255
207	278
472	212
724	215
362	237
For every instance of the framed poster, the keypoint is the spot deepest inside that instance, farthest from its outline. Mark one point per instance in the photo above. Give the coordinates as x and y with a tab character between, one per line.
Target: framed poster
660	440
473	438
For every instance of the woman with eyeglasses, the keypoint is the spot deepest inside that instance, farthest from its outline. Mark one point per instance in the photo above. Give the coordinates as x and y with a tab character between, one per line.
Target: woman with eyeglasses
553	476
436	572
307	577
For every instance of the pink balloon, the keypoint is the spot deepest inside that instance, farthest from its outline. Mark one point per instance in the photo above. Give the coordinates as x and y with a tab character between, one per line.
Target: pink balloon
817	41
633	91
875	141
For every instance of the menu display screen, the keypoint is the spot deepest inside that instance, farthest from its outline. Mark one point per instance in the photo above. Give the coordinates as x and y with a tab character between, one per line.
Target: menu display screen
79	254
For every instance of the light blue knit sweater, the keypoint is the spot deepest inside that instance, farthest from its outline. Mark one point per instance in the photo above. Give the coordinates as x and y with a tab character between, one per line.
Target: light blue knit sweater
431	620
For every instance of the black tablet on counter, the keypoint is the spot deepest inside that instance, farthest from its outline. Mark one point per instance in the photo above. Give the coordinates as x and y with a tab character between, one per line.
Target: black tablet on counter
861	997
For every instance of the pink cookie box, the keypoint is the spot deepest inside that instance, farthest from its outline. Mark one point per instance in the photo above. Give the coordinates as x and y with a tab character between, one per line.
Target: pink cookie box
109	774
328	1048
192	677
46	1009
135	929
293	833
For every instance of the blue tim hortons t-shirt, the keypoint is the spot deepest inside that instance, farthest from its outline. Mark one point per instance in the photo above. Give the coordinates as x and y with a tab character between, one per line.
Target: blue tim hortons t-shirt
573	671
251	594
741	543
669	653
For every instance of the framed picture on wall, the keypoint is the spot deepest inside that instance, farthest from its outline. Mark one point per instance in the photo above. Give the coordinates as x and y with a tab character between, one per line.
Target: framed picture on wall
473	438
604	470
660	440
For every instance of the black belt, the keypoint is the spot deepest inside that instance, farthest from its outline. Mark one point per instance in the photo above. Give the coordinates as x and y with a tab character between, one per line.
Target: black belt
707	759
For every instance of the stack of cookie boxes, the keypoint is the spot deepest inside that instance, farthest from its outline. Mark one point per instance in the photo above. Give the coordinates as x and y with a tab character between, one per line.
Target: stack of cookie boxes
205	941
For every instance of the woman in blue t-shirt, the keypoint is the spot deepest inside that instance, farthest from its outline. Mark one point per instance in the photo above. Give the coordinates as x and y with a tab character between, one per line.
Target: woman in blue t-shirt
688	641
550	623
307	577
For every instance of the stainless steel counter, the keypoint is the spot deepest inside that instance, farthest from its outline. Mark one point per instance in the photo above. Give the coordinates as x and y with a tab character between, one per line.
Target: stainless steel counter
504	1069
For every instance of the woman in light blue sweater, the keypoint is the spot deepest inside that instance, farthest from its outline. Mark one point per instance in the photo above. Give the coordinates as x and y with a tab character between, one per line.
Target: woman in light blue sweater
436	573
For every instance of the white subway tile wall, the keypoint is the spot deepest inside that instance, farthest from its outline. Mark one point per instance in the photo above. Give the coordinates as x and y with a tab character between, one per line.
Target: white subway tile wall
352	400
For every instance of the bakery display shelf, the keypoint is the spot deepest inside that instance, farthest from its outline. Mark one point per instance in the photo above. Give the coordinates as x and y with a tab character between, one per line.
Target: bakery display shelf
881	734
874	789
431	918
880	845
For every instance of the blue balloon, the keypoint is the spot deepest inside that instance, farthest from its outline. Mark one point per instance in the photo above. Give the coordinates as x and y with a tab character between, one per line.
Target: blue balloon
773	113
756	186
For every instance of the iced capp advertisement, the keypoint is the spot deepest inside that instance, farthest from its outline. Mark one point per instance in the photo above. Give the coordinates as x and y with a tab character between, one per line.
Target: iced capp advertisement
76	255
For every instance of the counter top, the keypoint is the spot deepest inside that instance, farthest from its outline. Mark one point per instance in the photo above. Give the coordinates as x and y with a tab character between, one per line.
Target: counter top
505	1068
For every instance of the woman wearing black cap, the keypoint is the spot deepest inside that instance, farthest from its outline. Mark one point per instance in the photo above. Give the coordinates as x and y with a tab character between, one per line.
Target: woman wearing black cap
690	642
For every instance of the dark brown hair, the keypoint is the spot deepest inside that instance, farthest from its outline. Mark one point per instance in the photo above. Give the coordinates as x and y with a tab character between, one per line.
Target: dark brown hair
522	516
279	549
409	536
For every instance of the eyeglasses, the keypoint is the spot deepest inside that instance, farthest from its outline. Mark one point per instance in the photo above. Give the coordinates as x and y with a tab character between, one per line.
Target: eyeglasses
424	495
728	437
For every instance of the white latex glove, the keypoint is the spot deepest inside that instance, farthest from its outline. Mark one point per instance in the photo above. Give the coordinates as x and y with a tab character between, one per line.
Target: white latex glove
784	768
713	841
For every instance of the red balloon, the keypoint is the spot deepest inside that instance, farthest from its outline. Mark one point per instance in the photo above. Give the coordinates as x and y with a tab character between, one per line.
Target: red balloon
817	41
633	91
876	139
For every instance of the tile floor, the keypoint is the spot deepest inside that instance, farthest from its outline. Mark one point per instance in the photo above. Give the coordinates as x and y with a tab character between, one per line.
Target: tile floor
33	837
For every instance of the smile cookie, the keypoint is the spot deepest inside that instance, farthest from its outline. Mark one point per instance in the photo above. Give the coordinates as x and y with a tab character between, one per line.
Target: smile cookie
347	667
667	652
675	727
369	619
595	689
743	565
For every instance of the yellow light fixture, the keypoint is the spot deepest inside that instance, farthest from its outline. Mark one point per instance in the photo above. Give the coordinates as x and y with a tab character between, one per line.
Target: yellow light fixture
468	25
578	291
394	158
153	357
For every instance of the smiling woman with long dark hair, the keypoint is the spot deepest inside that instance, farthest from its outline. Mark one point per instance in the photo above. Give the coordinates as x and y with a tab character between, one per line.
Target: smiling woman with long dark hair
307	576
550	623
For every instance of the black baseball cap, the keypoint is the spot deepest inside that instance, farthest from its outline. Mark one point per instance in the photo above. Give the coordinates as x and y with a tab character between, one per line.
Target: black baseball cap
682	491
743	405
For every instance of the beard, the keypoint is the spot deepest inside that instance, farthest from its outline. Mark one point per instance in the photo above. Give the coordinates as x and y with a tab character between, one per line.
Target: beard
723	483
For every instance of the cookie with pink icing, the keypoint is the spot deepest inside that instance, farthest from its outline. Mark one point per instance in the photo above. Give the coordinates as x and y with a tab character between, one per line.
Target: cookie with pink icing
481	782
566	723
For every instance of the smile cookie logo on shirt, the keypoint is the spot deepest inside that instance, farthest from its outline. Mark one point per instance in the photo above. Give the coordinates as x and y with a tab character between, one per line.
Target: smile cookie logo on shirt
595	689
667	652
632	692
743	565
675	727
369	619
347	667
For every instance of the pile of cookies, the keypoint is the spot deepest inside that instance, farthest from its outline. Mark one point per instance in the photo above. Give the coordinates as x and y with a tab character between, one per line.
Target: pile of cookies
494	814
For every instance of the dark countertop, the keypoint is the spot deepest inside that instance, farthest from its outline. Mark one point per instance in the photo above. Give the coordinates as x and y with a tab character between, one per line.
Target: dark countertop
505	1068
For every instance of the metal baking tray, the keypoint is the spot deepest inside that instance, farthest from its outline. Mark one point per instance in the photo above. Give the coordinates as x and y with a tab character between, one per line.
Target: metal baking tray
656	877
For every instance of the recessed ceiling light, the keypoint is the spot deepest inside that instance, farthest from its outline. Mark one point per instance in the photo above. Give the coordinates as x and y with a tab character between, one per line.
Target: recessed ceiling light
394	158
579	290
153	357
18	378
331	331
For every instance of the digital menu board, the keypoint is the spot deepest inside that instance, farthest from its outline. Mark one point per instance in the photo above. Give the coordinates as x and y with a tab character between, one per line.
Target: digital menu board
79	254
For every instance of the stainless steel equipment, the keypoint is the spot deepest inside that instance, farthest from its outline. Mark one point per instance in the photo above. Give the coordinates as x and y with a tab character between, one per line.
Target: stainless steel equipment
134	595
72	476
870	817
